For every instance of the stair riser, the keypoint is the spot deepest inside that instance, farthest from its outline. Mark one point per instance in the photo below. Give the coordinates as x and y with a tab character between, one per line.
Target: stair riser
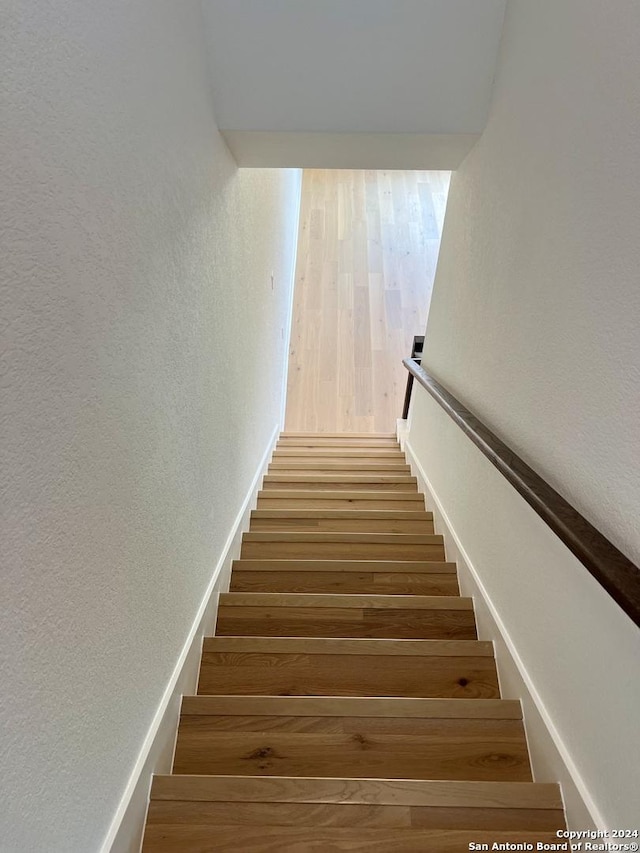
311	622
273	674
375	583
354	439
339	448
331	814
340	551
362	484
271	500
370	454
344	525
303	433
471	756
349	468
398	471
336	459
287	839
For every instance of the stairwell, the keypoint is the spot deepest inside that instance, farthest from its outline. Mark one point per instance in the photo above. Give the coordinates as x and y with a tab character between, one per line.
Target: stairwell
345	702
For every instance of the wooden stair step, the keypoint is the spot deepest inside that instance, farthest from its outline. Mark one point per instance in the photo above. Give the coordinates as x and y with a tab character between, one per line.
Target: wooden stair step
332	444
340	452
306	445
352	469
369	707
325	815
256	813
453	739
332	474
357	566
341	464
355	602
313	802
295	666
335	471
354	546
231	838
341	483
388	792
345	520
326	615
342	435
297	498
300	801
345	453
345	576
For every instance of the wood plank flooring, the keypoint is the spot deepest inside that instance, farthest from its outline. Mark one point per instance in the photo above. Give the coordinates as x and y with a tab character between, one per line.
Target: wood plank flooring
367	251
345	702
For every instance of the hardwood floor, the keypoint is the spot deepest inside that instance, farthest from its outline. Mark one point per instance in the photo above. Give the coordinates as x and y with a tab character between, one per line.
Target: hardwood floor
367	253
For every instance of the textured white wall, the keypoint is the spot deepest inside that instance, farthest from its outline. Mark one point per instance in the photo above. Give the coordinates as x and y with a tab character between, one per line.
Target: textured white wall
137	397
416	151
534	325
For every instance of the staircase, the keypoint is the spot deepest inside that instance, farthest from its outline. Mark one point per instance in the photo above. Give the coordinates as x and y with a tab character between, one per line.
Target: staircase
345	703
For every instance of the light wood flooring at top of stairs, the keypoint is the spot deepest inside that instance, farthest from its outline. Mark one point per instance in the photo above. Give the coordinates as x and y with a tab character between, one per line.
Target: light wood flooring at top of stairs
345	702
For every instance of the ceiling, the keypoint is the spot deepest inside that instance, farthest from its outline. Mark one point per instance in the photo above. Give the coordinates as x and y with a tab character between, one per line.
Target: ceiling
331	77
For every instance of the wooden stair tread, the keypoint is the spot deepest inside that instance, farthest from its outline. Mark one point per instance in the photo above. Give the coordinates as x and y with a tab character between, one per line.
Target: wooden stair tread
353	745
297	498
331	472
342	520
358	444
252	813
347	478
303	444
341	545
312	666
375	514
393	602
303	453
300	445
347	435
386	566
344	577
342	525
333	536
345	623
328	495
341	464
407	792
306	801
465	754
287	839
349	706
340	483
331	466
337	646
303	666
352	615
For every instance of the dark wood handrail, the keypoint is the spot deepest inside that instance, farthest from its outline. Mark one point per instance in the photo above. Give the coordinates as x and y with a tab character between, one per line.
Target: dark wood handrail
609	566
416	355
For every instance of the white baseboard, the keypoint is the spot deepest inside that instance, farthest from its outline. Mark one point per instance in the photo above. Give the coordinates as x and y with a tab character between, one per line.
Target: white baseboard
550	759
156	755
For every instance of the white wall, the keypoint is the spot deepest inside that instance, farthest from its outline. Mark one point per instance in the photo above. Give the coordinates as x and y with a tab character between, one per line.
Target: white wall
534	326
413	151
419	69
137	400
